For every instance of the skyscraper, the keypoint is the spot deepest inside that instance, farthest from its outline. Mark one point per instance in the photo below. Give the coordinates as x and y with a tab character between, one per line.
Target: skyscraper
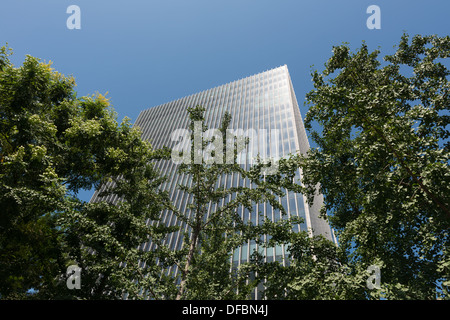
263	106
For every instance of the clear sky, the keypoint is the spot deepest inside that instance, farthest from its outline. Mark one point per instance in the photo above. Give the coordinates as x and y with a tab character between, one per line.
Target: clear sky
149	52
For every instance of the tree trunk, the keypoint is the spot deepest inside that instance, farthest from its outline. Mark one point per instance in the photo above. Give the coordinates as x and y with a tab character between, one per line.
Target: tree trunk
188	264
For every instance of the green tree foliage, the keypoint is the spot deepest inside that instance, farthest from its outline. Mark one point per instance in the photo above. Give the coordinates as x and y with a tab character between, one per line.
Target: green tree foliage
316	270
383	162
52	144
215	226
104	238
382	166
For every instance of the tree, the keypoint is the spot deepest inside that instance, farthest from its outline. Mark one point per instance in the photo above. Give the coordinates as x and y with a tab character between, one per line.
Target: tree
205	264
52	144
382	161
104	238
30	188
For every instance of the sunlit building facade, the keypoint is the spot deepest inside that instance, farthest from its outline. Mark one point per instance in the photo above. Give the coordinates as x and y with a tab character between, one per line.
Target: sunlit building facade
263	105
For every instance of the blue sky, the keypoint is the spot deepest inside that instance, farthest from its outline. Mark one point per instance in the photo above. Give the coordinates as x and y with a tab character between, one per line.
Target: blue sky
148	52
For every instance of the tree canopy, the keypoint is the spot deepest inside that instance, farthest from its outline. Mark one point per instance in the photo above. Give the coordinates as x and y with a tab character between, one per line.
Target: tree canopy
383	160
381	163
53	144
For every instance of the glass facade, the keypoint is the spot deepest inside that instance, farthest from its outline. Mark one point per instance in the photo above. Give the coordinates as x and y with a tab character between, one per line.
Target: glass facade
264	107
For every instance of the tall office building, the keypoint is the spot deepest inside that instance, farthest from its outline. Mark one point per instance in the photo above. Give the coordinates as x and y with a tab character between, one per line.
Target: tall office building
264	107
